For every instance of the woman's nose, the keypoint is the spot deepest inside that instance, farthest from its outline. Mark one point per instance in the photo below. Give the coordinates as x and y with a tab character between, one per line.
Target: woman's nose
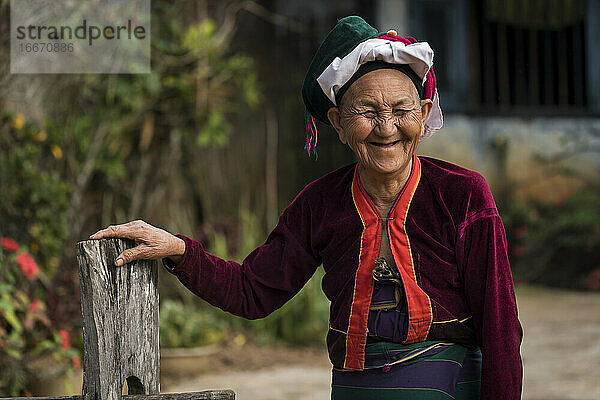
386	126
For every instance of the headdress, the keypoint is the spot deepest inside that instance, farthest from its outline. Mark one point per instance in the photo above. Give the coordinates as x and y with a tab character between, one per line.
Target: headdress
353	47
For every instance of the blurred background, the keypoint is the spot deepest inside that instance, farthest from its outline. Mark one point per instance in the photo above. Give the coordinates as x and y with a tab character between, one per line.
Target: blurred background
210	145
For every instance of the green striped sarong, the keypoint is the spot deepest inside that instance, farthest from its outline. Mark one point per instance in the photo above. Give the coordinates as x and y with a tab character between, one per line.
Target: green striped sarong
430	370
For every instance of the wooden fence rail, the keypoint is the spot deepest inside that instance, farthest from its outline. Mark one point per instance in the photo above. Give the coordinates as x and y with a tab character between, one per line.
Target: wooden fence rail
204	395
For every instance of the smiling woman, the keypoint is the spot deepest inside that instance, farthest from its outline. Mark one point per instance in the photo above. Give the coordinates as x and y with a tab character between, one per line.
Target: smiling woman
381	118
413	248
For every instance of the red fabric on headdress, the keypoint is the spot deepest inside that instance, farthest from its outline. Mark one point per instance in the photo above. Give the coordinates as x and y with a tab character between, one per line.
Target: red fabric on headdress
430	83
428	93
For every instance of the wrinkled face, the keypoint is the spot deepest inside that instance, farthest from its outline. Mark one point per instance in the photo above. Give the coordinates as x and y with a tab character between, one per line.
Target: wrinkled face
381	118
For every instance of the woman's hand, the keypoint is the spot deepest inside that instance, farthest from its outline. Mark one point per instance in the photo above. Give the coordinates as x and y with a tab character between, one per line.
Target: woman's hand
152	242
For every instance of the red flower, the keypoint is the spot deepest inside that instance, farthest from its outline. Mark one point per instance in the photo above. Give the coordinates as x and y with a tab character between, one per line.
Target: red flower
28	265
76	362
9	245
65	342
34	306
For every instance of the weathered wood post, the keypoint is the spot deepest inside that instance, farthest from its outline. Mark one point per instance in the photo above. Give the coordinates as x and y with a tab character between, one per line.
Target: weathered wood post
120	326
120	321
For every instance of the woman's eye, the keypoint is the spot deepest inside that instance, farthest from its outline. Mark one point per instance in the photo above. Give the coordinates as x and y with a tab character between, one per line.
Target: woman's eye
368	114
400	113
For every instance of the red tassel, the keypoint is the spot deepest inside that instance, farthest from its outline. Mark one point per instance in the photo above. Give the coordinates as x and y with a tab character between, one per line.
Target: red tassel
311	135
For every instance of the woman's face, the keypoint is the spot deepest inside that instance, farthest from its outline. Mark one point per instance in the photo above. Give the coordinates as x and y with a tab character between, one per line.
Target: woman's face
381	118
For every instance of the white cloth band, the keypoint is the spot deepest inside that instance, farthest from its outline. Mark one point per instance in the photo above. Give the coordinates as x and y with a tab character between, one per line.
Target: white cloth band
419	56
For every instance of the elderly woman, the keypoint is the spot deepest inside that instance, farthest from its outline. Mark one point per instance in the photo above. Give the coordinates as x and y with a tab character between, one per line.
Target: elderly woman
414	251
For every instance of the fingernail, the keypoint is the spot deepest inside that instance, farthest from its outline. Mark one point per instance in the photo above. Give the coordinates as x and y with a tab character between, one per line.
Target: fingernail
119	262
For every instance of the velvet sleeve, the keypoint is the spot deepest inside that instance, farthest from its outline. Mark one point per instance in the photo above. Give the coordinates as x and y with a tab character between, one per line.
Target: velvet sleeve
268	277
482	256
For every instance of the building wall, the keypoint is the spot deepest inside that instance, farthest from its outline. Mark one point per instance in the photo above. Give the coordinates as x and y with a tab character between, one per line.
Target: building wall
537	149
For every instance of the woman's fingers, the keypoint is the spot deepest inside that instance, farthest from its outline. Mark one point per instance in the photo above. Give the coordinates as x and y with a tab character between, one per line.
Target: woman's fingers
152	242
129	230
110	232
129	255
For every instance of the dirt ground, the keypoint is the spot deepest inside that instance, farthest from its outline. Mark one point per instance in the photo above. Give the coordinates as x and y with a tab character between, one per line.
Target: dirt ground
561	357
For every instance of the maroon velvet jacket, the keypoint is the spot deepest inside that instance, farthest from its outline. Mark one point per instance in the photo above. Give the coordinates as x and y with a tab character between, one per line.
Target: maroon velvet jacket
446	238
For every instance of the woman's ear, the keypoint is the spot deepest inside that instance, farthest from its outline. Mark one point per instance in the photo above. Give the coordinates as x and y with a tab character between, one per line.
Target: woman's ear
426	106
334	116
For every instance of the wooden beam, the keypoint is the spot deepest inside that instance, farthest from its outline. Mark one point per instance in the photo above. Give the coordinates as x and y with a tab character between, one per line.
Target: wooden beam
592	52
534	70
204	395
502	65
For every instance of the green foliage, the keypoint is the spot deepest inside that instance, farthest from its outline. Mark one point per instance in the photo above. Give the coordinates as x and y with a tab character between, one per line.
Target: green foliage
33	211
34	199
99	130
29	339
215	132
552	243
186	325
61	178
198	38
301	321
111	125
561	242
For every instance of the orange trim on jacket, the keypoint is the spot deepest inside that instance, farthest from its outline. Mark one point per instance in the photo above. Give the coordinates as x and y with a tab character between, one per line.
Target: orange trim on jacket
419	304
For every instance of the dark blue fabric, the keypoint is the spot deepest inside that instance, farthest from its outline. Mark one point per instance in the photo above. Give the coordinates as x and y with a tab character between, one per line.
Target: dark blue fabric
388	314
420	367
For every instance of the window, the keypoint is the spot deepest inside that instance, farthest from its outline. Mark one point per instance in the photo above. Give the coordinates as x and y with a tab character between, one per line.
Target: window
530	57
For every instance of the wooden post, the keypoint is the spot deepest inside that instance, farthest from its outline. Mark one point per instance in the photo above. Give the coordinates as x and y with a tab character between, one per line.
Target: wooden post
120	321
120	327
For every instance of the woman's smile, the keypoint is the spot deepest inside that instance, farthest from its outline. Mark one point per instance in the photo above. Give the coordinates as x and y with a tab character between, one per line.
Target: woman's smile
386	146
